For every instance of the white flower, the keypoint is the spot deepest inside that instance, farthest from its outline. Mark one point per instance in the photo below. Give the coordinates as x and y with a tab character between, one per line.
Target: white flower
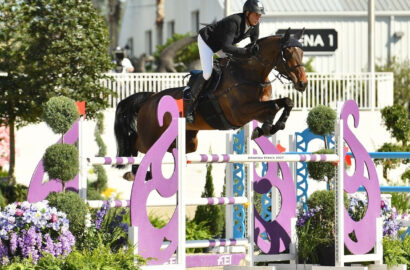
25	205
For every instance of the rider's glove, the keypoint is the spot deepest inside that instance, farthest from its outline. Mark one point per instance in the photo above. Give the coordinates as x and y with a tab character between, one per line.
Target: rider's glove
253	49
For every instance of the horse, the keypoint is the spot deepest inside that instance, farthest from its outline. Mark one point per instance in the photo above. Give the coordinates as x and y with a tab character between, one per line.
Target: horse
242	95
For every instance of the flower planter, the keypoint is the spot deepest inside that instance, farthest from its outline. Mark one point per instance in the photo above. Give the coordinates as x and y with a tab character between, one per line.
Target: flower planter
326	255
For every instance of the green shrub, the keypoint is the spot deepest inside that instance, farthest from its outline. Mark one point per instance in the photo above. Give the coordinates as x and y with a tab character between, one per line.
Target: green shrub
322	171
321	121
98	258
394	251
406	176
396	120
16	193
60	113
316	228
93	194
197	231
75	208
401	72
156	221
401	201
102	258
212	215
393	163
324	219
61	162
3	201
101	183
109	228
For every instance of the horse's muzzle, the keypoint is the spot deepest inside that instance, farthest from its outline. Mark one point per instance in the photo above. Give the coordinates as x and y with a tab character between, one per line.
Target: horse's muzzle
301	86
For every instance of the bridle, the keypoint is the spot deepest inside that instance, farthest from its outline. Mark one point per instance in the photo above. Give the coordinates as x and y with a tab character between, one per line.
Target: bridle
280	59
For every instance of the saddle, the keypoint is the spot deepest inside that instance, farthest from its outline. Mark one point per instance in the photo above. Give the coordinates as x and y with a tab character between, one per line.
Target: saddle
208	105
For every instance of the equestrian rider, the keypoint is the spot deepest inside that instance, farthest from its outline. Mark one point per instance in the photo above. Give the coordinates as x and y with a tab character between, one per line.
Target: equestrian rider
223	35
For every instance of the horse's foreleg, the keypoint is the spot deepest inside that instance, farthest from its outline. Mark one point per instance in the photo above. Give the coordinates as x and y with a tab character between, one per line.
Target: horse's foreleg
287	105
267	123
269	112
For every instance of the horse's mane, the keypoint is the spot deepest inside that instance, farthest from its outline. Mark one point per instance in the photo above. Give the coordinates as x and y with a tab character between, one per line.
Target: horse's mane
291	41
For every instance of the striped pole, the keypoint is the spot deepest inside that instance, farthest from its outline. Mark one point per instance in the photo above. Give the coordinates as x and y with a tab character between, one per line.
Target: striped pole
225	158
221	158
189	202
212	243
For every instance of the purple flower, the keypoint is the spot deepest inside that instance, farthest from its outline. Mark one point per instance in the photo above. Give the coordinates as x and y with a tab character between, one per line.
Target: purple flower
13	243
305	216
100	215
3	253
49	247
32	230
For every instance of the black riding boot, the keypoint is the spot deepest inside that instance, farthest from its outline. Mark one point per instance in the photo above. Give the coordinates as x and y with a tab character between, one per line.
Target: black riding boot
196	89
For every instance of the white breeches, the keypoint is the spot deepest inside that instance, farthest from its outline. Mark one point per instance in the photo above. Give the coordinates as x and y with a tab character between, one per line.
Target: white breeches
207	58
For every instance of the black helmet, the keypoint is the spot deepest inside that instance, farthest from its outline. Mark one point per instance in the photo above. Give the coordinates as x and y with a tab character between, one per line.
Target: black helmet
254	6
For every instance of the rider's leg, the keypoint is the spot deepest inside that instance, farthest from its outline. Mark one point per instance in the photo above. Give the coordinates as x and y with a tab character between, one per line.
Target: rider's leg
206	55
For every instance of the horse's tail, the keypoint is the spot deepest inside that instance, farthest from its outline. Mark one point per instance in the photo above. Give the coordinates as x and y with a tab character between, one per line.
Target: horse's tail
125	127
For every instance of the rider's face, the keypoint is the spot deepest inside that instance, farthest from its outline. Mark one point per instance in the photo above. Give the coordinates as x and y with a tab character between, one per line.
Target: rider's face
254	18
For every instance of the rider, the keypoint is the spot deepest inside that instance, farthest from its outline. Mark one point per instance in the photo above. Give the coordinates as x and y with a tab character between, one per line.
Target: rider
223	35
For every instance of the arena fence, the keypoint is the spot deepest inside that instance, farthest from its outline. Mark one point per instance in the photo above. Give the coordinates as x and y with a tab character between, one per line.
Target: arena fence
323	89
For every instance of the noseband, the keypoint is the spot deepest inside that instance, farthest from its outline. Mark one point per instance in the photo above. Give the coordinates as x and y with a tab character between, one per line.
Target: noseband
283	61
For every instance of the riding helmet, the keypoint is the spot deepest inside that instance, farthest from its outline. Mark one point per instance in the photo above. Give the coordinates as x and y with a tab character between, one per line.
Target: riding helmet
254	6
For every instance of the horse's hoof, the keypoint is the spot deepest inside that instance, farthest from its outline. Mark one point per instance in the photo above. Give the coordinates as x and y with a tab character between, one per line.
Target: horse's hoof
256	133
277	127
129	176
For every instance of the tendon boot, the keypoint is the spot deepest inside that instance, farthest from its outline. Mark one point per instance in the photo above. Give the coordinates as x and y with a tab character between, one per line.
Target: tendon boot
192	103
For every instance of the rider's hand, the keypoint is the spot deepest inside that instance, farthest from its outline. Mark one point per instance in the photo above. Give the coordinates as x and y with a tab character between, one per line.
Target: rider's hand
253	49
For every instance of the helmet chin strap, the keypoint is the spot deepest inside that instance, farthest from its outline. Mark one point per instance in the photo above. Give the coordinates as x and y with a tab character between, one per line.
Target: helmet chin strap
247	17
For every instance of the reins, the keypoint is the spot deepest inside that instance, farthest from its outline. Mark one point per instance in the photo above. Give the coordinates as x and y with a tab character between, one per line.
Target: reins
280	59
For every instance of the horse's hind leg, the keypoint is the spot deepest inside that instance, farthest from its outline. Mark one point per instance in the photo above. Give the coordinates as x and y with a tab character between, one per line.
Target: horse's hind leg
130	176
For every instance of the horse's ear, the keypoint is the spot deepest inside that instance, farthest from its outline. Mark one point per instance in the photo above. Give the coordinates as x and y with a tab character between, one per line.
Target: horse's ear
300	34
287	35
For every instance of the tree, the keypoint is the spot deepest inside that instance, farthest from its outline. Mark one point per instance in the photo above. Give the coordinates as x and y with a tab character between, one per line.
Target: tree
321	121
401	71
50	48
396	121
212	215
186	53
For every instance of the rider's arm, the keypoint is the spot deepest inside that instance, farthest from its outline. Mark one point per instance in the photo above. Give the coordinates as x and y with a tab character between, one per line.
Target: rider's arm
230	28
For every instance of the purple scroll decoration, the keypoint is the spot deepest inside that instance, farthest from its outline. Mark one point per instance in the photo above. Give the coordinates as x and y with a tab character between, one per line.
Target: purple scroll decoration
364	229
150	238
277	231
38	191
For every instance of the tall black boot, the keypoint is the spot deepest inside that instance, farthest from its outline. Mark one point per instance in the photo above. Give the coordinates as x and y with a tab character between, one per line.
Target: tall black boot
191	106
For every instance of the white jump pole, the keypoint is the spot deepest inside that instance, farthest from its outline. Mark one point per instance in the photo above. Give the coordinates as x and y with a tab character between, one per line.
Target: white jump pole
339	190
249	193
82	176
181	252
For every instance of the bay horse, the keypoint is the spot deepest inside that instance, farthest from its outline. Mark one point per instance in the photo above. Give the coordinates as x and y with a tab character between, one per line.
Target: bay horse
242	94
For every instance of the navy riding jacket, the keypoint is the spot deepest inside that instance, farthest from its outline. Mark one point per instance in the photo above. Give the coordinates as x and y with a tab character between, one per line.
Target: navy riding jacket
225	33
